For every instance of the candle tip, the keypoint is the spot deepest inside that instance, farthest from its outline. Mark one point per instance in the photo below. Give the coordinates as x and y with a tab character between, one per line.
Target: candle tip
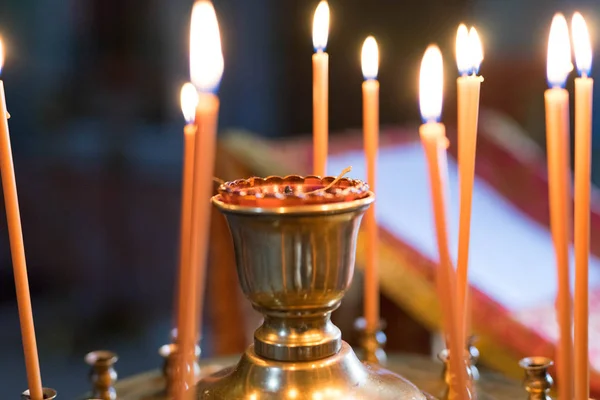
431	84
321	26
206	56
370	58
581	44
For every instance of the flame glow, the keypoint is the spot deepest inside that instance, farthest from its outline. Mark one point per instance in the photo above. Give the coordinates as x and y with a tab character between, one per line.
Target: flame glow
321	26
463	59
581	44
469	51
431	84
189	100
1	54
559	63
370	58
206	56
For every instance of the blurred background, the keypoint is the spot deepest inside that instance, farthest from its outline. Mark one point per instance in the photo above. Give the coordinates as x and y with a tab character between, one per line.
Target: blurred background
92	87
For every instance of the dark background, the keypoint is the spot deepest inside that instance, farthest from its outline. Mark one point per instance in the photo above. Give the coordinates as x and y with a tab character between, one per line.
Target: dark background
92	87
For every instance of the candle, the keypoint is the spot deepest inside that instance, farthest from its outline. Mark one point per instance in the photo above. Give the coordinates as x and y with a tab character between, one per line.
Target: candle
15	234
433	137
189	101
370	90
583	137
206	69
557	139
469	55
320	61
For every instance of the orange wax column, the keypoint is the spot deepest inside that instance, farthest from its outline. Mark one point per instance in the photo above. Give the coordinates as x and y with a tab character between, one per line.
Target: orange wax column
584	87
17	250
370	91
320	61
469	54
557	139
206	69
433	137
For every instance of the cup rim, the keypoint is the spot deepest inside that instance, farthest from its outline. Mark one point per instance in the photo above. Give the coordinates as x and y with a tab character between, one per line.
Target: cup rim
338	207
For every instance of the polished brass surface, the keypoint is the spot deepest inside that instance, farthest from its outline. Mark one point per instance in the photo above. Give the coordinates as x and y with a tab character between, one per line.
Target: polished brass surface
341	376
48	393
371	343
102	374
169	354
295	264
446	394
473	357
537	381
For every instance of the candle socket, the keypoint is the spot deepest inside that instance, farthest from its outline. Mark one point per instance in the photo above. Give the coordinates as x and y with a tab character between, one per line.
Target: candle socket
371	342
48	393
169	354
444	357
102	374
537	381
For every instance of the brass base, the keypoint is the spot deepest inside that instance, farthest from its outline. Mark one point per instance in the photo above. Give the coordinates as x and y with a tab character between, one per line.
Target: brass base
340	376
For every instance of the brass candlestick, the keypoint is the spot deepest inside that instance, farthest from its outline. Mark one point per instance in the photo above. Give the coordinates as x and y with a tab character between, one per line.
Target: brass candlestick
48	393
473	357
446	394
537	381
372	343
295	252
103	374
169	354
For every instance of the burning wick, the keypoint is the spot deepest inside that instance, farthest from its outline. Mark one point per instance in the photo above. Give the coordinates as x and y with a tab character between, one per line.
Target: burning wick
336	180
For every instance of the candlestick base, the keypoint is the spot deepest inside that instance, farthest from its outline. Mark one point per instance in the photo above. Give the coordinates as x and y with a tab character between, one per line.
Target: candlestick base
169	354
102	374
371	342
48	393
446	393
473	357
537	381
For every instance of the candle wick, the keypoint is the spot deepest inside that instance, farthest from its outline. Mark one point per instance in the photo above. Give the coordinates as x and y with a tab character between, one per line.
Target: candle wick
336	180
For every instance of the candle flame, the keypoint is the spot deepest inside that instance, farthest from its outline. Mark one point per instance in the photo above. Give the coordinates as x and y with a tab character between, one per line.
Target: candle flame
321	26
431	84
469	51
559	52
370	58
581	44
476	50
206	56
189	100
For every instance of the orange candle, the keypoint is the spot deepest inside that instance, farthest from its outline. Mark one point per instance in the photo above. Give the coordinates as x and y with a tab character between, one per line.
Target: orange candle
370	90
206	68
15	234
584	87
189	101
557	138
469	55
320	61
433	137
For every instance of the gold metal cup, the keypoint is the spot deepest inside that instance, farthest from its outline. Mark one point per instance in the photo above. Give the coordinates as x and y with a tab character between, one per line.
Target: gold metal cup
295	264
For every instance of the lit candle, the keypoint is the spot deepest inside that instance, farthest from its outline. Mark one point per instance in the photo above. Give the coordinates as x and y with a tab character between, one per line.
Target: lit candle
206	69
433	137
370	90
469	54
320	62
584	87
189	101
557	139
15	234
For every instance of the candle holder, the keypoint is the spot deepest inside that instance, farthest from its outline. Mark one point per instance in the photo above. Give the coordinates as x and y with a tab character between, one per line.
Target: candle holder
102	374
48	393
473	357
169	354
295	246
372	343
537	381
444	357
